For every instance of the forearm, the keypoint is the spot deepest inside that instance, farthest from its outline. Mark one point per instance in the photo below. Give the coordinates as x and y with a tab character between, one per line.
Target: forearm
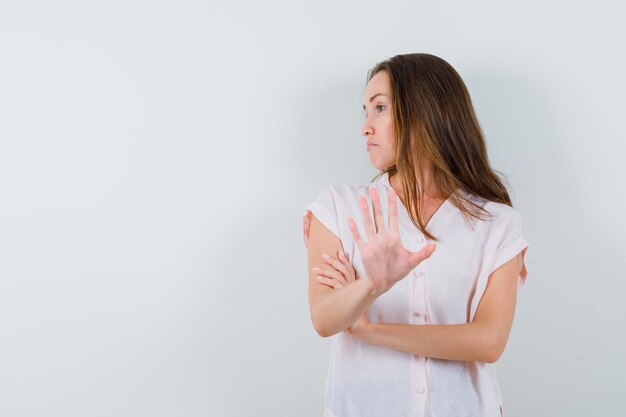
333	311
460	342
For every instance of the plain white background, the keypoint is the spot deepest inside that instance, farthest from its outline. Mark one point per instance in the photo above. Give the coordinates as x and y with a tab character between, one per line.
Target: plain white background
156	159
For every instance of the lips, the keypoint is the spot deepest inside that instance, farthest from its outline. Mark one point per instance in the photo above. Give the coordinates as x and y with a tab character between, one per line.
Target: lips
371	144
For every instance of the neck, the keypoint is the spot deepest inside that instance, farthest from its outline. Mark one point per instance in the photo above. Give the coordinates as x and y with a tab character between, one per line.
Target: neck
427	195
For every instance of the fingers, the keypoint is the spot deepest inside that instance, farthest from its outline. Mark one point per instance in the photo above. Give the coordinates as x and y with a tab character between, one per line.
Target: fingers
355	231
341	270
342	273
378	211
331	273
343	265
351	276
424	253
393	209
331	282
306	225
370	228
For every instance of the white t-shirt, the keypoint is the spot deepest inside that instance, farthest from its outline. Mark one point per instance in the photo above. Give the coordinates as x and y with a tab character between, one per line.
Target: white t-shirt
367	380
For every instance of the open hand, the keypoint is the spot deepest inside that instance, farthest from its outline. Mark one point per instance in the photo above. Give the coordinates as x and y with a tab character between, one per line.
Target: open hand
385	260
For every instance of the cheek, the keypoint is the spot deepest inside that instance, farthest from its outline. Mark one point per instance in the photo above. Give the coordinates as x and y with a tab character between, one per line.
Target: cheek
390	134
390	150
390	145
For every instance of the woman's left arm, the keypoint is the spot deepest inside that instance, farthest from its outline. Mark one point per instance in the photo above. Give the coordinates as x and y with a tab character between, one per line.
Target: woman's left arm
483	340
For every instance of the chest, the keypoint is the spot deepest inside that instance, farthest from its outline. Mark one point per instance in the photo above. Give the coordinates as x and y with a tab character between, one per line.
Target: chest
428	208
441	288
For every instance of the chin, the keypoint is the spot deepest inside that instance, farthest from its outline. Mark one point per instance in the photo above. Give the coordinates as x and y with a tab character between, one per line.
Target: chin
382	165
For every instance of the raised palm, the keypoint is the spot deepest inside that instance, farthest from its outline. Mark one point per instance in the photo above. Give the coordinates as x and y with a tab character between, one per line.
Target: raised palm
385	260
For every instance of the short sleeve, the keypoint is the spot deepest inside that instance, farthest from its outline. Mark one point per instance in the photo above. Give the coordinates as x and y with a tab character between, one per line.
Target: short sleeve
325	210
504	243
511	243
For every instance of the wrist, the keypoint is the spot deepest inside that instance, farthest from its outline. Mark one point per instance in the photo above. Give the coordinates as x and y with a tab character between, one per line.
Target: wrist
363	331
375	290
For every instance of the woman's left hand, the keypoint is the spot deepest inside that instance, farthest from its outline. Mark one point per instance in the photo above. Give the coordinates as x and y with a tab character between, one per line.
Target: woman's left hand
339	274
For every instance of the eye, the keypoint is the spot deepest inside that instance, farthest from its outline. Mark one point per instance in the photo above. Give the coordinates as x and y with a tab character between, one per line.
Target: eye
378	107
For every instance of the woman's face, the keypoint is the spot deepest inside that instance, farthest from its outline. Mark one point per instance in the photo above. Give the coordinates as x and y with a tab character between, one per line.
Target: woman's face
378	126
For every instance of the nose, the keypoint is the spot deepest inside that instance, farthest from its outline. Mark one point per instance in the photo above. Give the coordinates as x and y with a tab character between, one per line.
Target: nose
367	129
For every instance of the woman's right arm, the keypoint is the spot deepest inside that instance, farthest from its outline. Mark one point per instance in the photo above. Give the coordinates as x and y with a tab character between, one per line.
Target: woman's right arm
333	310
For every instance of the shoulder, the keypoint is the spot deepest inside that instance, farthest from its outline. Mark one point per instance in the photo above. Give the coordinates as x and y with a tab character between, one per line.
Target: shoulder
352	190
505	221
497	211
334	203
498	215
500	211
343	192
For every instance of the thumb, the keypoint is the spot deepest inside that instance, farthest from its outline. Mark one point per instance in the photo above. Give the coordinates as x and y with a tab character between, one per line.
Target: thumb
422	254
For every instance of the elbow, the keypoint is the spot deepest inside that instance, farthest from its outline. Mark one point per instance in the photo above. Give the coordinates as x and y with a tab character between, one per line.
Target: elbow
494	351
323	333
491	356
320	328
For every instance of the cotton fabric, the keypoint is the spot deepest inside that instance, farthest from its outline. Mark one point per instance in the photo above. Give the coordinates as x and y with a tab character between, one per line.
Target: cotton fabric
367	380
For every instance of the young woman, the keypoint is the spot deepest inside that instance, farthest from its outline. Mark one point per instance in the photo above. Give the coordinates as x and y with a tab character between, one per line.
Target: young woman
419	294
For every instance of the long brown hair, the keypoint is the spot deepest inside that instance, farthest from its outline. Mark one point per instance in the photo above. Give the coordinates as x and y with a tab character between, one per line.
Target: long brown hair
437	129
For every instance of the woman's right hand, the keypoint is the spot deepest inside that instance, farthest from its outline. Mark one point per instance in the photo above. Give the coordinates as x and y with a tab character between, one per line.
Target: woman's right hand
306	226
385	260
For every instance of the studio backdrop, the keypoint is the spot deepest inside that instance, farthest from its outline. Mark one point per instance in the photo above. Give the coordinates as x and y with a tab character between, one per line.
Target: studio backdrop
156	159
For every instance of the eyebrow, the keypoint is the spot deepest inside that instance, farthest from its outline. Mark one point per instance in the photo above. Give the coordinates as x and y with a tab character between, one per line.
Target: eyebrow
374	96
